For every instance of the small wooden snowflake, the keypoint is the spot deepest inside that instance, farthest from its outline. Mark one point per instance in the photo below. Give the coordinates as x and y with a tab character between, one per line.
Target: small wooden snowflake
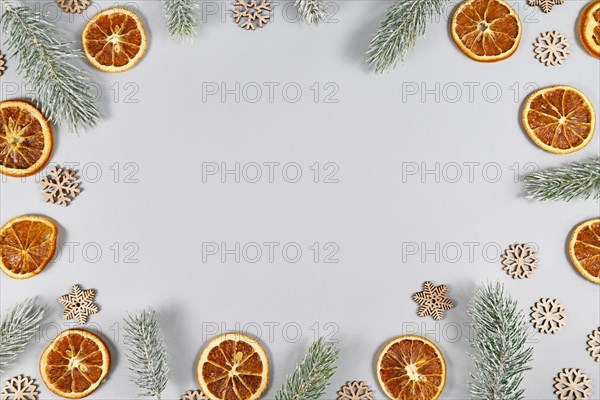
60	186
193	395
73	6
250	14
545	5
548	316
79	304
519	260
433	301
355	390
20	387
572	384
551	48
594	344
2	63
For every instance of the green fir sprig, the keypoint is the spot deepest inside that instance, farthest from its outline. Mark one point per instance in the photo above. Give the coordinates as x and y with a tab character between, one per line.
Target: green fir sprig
49	65
576	180
311	377
499	341
183	18
146	353
404	22
312	11
18	326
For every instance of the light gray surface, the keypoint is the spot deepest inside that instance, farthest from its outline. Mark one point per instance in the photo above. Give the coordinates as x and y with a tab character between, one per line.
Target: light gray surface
377	213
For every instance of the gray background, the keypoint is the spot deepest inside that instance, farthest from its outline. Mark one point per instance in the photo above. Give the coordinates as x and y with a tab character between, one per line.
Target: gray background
142	166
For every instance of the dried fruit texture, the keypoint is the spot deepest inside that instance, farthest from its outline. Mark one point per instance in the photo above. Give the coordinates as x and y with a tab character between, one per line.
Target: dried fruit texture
486	30
355	391
20	387
433	301
114	40
26	139
593	344
79	304
545	5
548	316
559	119
589	28
584	249
193	395
411	368
572	384
519	260
60	186
74	364
27	244
73	6
251	14
551	48
233	366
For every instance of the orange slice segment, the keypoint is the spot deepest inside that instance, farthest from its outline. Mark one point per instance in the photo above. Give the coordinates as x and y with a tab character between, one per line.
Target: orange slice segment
114	40
584	249
233	366
411	368
75	363
25	138
27	244
486	30
559	119
589	28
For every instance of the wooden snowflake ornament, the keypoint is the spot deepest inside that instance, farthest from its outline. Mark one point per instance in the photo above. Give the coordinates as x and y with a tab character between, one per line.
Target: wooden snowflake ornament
572	384
60	186
73	6
250	14
2	64
433	301
355	390
20	387
548	316
193	395
79	304
593	344
545	5
519	260
551	48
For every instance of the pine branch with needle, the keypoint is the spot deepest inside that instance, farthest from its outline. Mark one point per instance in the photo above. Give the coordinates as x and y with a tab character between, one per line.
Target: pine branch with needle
183	18
312	11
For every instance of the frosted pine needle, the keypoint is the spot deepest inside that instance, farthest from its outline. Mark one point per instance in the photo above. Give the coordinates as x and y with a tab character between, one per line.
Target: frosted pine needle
50	66
182	18
146	353
18	326
311	377
404	22
312	11
576	180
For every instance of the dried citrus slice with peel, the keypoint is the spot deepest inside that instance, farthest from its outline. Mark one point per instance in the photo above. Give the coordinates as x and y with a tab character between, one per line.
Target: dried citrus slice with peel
486	30
233	366
589	28
27	244
559	119
584	249
411	368
75	363
114	40
26	139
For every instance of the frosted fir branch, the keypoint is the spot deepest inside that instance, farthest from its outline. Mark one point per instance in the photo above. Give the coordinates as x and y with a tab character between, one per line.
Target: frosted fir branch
311	377
404	22
312	11
182	18
576	180
18	326
50	66
499	342
146	353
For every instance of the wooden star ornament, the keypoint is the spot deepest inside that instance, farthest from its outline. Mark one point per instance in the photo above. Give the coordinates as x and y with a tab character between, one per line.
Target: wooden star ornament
79	304
433	301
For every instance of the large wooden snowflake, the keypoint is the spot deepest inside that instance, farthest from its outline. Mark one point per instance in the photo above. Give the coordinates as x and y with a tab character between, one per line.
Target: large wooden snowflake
73	6
594	344
20	387
551	48
355	390
2	64
519	260
250	14
60	186
572	384
79	304
193	395
548	315
545	5
433	301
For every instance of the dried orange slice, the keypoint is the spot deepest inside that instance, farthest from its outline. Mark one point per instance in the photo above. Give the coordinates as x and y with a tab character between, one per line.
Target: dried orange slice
27	244
233	366
114	40
584	249
559	119
486	30
25	138
411	368
589	28
75	363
